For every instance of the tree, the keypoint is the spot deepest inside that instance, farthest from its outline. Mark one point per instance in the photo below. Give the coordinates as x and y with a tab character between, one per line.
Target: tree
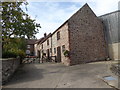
16	23
16	26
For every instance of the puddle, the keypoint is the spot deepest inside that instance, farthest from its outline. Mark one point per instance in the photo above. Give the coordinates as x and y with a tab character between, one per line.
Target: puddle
109	78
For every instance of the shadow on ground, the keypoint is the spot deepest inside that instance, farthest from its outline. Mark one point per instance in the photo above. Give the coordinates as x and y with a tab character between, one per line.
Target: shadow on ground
23	74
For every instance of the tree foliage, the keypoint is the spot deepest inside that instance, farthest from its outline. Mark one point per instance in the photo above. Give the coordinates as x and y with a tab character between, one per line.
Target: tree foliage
16	23
16	26
14	47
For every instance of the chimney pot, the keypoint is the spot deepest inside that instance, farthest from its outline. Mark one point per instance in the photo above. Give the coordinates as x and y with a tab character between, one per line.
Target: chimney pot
45	34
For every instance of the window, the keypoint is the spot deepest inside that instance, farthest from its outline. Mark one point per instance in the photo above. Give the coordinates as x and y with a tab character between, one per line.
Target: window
58	35
63	48
47	42
54	50
42	46
28	46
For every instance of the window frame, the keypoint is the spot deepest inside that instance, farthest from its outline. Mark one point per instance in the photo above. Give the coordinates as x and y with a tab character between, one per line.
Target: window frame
63	48
54	50
58	35
28	46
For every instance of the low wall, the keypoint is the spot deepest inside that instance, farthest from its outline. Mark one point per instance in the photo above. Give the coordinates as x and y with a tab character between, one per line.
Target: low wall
114	50
8	68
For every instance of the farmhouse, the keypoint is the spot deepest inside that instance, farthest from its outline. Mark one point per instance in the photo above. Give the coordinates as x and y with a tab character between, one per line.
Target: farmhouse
78	40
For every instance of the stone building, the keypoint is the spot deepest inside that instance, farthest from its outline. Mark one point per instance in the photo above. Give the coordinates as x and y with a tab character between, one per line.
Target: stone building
37	46
81	37
43	46
60	43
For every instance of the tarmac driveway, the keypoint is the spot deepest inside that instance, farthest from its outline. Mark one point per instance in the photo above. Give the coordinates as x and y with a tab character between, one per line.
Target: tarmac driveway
49	75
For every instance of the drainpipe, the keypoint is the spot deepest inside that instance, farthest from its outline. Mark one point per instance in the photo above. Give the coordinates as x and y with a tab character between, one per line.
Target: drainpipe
51	45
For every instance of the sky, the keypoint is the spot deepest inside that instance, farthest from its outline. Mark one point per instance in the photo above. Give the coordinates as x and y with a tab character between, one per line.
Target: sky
53	13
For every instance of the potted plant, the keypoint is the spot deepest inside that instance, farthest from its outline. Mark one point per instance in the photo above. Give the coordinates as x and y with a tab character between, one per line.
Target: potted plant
66	53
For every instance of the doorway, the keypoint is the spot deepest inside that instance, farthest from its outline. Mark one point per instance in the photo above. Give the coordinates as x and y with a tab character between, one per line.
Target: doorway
58	54
48	55
39	55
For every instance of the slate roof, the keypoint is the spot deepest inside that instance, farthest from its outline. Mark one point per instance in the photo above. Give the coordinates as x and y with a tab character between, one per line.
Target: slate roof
31	41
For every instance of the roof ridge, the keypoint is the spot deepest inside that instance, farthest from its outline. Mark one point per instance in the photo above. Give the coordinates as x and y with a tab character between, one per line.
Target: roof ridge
109	13
86	4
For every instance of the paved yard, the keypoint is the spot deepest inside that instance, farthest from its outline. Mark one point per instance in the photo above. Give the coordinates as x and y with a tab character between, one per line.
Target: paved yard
50	75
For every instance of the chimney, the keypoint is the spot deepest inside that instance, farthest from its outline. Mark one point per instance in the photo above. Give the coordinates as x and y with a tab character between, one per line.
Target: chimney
45	34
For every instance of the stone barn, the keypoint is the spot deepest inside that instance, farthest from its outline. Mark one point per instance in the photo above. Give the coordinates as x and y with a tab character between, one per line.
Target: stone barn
78	40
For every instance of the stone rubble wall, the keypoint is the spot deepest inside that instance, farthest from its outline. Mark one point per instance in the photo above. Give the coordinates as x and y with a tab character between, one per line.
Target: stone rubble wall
87	39
64	40
9	66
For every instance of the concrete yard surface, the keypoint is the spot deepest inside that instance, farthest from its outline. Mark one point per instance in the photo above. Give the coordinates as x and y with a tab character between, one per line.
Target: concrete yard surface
57	75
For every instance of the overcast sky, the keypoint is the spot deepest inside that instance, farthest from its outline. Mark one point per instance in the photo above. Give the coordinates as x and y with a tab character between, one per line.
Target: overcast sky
55	12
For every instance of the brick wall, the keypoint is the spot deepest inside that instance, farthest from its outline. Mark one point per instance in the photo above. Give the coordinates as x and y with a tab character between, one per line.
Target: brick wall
31	49
87	41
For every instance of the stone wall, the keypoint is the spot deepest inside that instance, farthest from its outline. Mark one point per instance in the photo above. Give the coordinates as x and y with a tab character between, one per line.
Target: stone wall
87	41
64	40
46	46
8	68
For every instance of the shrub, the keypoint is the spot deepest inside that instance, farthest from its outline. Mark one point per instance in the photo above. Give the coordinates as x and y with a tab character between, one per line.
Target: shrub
21	54
13	53
13	48
9	54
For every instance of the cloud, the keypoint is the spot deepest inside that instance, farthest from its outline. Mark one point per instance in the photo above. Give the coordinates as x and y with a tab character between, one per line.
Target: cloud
53	13
50	15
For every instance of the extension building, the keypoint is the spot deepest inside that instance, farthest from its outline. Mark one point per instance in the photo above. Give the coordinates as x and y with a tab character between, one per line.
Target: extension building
111	22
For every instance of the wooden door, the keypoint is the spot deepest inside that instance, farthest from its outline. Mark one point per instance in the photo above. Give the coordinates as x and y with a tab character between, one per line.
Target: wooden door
58	54
39	56
48	55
